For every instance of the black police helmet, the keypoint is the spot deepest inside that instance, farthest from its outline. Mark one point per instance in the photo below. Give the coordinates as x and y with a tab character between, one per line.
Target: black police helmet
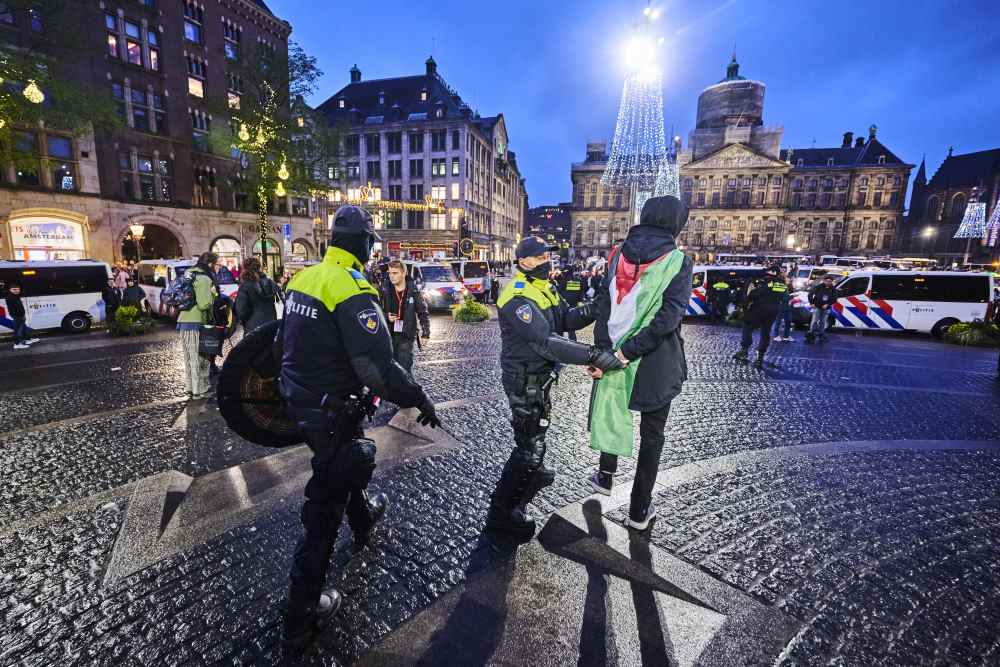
353	220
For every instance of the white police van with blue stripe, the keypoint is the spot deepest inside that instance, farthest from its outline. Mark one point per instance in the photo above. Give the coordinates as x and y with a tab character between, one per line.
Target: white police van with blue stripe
927	302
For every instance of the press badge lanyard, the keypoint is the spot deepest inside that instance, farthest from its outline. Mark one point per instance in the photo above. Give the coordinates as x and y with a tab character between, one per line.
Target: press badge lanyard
397	326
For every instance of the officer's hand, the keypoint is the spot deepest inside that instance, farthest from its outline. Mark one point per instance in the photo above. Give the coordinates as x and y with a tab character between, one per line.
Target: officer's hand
428	415
595	373
606	360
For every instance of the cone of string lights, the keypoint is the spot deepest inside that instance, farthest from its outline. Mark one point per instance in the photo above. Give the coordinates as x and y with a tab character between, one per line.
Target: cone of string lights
639	147
973	223
993	226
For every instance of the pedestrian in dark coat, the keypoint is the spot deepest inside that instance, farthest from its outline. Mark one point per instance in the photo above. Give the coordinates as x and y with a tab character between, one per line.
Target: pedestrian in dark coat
658	345
256	298
404	307
112	297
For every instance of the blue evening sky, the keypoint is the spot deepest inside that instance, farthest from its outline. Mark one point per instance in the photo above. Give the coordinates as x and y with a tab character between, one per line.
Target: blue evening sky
927	73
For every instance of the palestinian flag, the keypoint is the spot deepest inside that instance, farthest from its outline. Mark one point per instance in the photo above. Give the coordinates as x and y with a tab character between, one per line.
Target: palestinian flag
636	296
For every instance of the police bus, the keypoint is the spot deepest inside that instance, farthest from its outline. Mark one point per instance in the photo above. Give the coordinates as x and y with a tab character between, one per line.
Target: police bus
156	274
927	302
473	274
62	294
737	277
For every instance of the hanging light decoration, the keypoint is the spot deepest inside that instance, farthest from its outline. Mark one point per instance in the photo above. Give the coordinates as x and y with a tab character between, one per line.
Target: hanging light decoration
3	123
973	222
283	171
261	139
993	226
280	189
244	134
33	93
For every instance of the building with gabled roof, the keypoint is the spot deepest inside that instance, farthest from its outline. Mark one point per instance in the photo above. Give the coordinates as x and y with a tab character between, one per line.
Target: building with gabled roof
433	170
938	205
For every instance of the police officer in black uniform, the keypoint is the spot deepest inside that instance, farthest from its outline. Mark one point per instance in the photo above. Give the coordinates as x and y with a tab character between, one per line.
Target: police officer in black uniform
337	355
718	300
763	300
532	315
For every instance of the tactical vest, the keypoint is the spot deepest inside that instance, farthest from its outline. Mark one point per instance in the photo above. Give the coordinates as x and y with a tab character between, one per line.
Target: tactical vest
572	285
332	281
539	292
778	286
720	285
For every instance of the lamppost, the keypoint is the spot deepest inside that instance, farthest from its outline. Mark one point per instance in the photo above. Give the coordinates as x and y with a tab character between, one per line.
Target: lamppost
136	232
926	234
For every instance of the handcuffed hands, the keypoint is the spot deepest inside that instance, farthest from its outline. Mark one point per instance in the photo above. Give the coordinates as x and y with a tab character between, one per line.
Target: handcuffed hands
606	360
595	373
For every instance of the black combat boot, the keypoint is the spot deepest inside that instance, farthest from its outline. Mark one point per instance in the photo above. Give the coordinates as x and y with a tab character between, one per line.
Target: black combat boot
742	356
513	522
760	361
303	625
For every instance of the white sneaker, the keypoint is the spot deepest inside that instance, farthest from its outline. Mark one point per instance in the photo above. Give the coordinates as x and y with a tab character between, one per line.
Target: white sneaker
22	346
778	339
642	521
788	339
32	340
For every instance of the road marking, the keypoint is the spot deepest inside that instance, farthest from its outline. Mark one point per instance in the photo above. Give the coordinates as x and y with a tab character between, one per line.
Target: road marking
93	416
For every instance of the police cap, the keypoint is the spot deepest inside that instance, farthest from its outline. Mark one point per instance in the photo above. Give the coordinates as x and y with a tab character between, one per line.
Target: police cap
532	246
353	220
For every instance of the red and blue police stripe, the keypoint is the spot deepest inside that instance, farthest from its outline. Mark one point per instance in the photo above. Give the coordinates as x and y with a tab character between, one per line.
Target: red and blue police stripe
698	303
854	312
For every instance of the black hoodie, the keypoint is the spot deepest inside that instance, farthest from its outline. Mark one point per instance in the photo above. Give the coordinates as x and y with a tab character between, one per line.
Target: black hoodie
658	347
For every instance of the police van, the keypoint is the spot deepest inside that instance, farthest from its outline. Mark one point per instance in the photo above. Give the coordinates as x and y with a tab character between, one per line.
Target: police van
62	294
438	283
927	302
737	277
156	274
473	274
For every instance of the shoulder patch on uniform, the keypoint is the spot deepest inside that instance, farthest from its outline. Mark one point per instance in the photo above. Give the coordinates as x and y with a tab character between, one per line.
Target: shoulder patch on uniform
524	313
355	274
369	319
519	284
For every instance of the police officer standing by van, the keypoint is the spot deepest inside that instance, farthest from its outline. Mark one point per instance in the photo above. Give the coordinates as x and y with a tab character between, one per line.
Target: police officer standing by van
337	355
763	300
532	317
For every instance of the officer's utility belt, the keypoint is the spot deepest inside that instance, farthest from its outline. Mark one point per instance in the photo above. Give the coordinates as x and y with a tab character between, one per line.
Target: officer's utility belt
538	384
327	413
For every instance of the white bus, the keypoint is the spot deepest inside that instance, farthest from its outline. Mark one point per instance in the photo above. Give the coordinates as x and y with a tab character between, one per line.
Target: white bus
156	274
62	294
907	300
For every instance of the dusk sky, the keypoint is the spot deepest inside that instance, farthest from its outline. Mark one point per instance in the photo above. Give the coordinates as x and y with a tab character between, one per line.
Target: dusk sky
926	73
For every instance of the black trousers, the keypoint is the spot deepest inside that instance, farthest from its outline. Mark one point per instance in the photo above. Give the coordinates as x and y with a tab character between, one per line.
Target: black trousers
651	441
341	472
402	351
523	475
762	324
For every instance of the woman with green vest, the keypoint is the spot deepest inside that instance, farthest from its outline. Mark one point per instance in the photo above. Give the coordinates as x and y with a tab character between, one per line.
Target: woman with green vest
638	311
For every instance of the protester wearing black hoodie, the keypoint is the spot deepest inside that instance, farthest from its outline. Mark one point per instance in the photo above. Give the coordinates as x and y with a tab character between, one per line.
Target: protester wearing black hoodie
256	298
659	345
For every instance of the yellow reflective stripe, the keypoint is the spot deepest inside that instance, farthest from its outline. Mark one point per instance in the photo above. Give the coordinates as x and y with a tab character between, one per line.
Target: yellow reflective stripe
334	280
539	292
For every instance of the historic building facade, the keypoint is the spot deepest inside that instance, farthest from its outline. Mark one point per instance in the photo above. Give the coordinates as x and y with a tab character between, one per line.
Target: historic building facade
937	206
747	195
435	171
161	64
599	213
553	223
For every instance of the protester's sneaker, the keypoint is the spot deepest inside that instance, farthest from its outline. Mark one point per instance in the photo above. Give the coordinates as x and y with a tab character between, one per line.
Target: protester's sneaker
778	339
21	346
32	340
639	519
301	628
788	339
602	482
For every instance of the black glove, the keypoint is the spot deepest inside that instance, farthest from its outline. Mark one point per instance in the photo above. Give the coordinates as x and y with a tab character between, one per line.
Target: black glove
604	359
428	416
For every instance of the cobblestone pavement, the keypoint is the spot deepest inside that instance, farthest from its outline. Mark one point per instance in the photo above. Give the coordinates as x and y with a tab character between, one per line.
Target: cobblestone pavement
883	557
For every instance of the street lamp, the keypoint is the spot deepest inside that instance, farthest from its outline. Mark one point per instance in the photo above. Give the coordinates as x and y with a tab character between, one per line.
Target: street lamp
136	232
927	233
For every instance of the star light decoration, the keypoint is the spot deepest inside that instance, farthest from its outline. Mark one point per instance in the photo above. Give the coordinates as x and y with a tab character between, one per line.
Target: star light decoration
639	159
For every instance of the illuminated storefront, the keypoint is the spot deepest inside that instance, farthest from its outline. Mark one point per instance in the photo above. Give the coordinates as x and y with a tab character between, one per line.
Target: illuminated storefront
47	234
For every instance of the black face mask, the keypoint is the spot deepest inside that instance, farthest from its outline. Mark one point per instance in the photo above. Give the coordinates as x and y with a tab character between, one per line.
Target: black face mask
359	245
540	272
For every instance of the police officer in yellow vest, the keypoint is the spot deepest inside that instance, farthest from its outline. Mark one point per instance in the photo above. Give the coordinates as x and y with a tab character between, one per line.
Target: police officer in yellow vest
763	299
532	315
337	355
718	300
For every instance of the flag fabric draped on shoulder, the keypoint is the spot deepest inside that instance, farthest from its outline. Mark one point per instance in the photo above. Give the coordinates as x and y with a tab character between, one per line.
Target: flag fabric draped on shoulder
636	296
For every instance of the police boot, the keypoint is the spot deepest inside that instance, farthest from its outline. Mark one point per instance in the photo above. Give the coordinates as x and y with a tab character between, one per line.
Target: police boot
760	361
363	512
303	625
514	522
506	514
742	356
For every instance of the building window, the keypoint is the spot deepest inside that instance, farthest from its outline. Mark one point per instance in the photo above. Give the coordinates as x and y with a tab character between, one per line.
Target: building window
35	19
455	194
341	103
416	192
395	168
880	181
881	159
374	169
439	221
438	167
701	199
715	200
154	60
232	51
194	16
353	170
878	199
416	220
456	140
439	193
352	145
204	187
394	142
113	46
416	142
439	141
416	168
372	144
133	52
423	95
456	169
192	32
196	87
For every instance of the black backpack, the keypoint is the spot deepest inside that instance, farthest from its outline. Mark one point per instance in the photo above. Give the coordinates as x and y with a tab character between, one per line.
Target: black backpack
180	293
